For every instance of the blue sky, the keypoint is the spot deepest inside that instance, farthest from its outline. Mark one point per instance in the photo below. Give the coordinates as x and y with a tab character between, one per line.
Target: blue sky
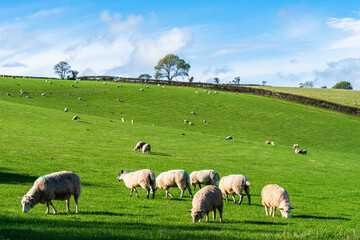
282	42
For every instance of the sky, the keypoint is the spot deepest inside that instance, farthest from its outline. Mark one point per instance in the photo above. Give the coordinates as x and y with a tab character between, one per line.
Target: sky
281	42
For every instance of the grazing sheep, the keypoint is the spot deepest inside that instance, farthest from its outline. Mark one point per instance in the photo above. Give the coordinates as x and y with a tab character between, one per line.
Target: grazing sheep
186	121
142	178
104	83
54	186
197	92
272	143
146	148
46	81
204	121
274	196
296	146
75	118
118	99
159	84
139	145
21	90
174	178
190	123
153	125
28	96
205	90
66	109
141	89
147	86
76	81
72	85
132	121
216	92
235	184
267	142
43	94
123	119
206	200
209	92
8	94
193	113
229	138
50	82
163	87
206	177
297	151
79	98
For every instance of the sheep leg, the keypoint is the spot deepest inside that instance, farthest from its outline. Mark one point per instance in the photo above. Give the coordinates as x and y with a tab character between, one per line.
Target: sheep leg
226	197
77	203
189	188
247	190
148	191
47	207
136	192
233	197
241	198
214	214
207	217
194	186
131	191
182	192
53	208
221	211
167	192
274	209
152	191
266	211
199	185
270	211
68	204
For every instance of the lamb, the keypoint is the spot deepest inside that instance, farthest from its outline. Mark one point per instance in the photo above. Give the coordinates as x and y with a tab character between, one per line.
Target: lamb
142	178
229	138
132	121
27	96
206	200
75	118
139	145
193	113
209	92
147	86
118	99
235	184
123	119
8	94
296	146
141	89
146	148
174	178
76	82
272	143
163	87
216	92
205	90
204	121
274	196
43	94
79	98
206	177
54	186
66	109
50	82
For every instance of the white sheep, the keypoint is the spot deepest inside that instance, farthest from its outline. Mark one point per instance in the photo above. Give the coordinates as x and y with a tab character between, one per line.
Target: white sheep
174	178
209	92
235	184
79	98
28	96
43	94
190	123
141	89
118	99
205	90
50	82
54	186
216	92
204	121
186	121
229	138
296	146
206	200
205	177
139	145
132	121
141	178
104	83
272	143
193	113
66	109
147	86
146	148
75	118
197	92
76	82
297	151
274	196
268	142
123	119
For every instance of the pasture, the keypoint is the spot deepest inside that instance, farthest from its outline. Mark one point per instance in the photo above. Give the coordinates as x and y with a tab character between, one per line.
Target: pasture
38	137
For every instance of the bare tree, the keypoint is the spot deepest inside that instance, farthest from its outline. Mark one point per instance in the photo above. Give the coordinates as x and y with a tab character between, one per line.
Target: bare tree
216	80
62	68
73	74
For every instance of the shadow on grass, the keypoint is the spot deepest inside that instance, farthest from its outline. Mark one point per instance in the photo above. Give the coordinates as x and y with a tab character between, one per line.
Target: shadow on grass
14	178
100	213
264	223
320	217
160	154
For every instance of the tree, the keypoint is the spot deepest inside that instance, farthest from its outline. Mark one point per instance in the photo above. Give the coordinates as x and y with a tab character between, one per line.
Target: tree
216	80
307	84
145	76
263	83
73	74
343	85
62	68
171	66
191	79
236	80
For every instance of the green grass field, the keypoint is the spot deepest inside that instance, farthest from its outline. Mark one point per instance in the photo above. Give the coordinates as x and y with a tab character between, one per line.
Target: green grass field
345	97
38	137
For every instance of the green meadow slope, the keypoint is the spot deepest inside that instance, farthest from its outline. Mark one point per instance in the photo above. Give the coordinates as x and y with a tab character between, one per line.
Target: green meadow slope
38	137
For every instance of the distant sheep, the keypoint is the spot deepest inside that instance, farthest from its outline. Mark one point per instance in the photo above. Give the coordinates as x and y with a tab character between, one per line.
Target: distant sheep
139	145
268	142
132	121
272	143
50	82
147	86
43	94
28	96
118	99
146	148
104	83
75	118
205	90
205	177
204	121
174	178
8	94
159	84
206	200
54	186
296	146
274	196
46	81
229	138
141	89
193	113
76	81
186	121
190	123
235	184
163	87
123	119
299	151
209	92
72	85
141	178
216	92
79	98
197	92
66	109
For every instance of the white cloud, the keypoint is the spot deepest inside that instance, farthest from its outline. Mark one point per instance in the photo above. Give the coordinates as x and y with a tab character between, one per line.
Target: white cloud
350	25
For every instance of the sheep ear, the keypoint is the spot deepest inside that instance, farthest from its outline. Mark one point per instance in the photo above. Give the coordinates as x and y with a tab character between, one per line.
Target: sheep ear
122	171
188	210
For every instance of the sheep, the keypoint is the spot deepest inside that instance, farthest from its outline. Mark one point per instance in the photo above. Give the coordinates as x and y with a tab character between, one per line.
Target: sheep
205	90
267	142
216	92
46	81
8	94
66	109
76	81
190	123
229	138
43	94
72	85
206	177
204	121
123	119
132	121
272	143
174	178
142	178
75	118
118	99
21	90
146	148
186	121
79	98
141	89
147	86
104	83
296	146
117	85
274	196
54	186
197	92
193	113
139	145
27	96
50	82
235	184
297	151
209	92
159	84
206	200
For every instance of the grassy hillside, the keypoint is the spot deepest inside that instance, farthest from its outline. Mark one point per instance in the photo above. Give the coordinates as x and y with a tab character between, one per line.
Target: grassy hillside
345	97
38	137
